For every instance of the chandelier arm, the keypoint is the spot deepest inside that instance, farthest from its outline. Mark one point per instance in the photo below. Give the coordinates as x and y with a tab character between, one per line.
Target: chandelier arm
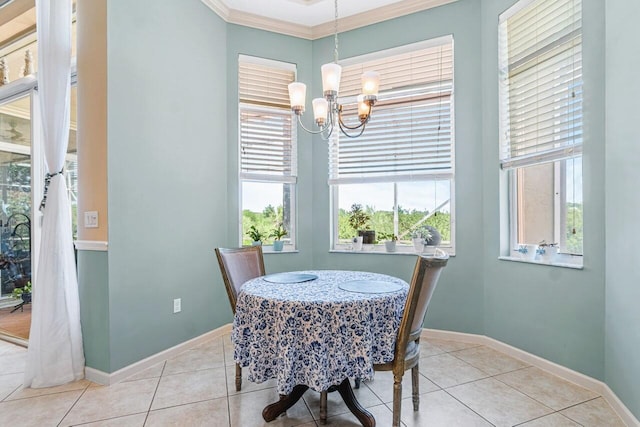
313	132
344	132
327	136
362	122
345	126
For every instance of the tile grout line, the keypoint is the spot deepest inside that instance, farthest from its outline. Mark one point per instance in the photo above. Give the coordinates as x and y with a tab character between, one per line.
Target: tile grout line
226	377
466	406
164	365
553	413
74	404
538	401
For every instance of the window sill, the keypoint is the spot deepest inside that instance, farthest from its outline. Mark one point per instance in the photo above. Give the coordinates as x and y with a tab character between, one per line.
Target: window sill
380	250
569	261
269	250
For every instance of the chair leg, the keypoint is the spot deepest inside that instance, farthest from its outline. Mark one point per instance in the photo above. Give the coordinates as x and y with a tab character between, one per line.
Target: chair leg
323	407
356	383
397	399
415	387
238	377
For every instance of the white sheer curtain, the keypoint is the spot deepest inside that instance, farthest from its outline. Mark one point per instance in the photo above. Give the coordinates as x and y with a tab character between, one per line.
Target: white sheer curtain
55	343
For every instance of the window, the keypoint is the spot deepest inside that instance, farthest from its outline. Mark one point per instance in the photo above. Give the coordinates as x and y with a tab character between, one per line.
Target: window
541	121
268	155
401	170
22	154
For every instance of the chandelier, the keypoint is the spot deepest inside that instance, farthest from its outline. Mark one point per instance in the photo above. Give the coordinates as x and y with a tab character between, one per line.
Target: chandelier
327	112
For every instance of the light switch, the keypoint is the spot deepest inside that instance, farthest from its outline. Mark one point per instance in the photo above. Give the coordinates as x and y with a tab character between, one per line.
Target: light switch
91	219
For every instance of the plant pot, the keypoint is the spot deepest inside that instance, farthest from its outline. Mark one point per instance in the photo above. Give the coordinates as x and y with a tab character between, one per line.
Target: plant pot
256	243
278	245
390	245
548	253
26	297
368	236
527	252
357	243
418	244
429	250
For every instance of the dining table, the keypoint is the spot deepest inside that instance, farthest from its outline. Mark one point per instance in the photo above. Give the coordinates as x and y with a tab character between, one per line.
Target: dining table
317	329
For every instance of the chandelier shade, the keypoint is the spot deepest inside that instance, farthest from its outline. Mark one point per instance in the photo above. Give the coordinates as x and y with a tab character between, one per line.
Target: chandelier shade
297	96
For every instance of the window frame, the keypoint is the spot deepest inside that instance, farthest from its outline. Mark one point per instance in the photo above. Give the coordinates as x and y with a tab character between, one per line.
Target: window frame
511	164
334	244
292	180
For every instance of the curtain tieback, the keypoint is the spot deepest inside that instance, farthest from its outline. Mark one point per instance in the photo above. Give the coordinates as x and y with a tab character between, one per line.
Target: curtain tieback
47	181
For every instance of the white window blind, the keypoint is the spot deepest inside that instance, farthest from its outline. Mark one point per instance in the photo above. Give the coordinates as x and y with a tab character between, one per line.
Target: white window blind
267	129
409	136
540	82
264	82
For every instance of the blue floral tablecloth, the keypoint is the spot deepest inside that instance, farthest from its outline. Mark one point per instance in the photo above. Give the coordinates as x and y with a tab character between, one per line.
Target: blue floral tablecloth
313	332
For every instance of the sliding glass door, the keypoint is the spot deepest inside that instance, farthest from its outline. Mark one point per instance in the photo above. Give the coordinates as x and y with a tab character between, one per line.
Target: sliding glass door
16	201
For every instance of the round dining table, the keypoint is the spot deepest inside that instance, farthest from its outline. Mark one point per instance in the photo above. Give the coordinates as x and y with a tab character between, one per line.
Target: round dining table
316	329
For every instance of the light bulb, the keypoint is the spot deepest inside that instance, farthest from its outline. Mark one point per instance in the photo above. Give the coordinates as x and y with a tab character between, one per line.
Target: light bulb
297	96
370	83
331	78
320	110
363	108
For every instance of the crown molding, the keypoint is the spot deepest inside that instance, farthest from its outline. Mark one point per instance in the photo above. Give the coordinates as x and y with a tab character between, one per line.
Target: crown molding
269	24
347	23
218	7
374	16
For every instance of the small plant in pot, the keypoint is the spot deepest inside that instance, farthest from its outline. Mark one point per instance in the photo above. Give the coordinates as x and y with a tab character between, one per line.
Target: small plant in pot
358	220
390	241
255	235
278	233
426	238
547	251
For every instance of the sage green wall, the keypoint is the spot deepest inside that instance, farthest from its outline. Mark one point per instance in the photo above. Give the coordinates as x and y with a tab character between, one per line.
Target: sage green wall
93	280
555	313
265	44
458	300
167	150
622	344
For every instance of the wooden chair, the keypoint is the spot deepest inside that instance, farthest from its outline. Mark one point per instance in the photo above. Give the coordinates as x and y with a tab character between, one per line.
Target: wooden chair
237	266
407	350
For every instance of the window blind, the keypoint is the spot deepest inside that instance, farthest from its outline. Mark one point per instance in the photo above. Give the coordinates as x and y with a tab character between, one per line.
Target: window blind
264	82
266	144
409	135
540	82
267	130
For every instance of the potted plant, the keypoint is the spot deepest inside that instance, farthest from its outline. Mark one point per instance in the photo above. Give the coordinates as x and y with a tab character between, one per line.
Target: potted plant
390	241
23	293
255	235
358	220
547	251
426	238
278	233
418	237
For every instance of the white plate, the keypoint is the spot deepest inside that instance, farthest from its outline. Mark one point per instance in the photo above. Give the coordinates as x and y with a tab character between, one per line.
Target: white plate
289	277
370	286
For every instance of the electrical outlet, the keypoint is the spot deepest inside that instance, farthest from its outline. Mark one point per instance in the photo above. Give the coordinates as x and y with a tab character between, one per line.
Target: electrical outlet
91	219
177	305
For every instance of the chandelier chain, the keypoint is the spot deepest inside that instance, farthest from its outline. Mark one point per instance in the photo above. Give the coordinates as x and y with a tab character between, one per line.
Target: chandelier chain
335	34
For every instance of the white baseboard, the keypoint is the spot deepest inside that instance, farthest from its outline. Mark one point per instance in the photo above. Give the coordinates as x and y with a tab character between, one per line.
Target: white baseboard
104	378
565	373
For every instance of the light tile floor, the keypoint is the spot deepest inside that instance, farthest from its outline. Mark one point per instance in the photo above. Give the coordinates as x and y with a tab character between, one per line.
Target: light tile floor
460	385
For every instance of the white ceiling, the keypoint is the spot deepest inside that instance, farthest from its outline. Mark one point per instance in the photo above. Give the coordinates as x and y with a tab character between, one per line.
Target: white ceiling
305	12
